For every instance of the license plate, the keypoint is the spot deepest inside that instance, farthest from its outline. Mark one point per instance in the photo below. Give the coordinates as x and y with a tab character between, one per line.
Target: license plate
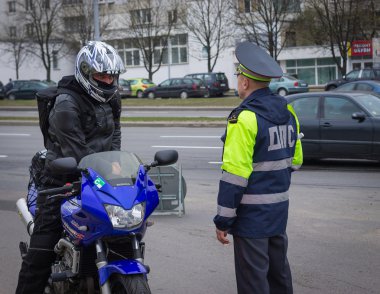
223	85
203	87
303	85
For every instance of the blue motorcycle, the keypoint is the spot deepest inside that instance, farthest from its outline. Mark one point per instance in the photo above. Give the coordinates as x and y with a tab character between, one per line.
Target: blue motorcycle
104	216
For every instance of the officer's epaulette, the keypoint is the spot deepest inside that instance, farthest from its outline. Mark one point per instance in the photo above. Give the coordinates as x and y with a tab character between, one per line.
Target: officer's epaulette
234	115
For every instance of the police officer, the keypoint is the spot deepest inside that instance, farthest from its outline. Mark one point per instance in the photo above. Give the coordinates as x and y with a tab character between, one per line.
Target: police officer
261	149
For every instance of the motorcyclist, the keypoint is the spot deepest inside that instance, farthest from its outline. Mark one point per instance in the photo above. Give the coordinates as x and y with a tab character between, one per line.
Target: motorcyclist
97	70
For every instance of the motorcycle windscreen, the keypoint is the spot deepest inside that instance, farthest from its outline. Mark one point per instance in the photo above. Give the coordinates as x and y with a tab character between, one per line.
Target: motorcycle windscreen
118	168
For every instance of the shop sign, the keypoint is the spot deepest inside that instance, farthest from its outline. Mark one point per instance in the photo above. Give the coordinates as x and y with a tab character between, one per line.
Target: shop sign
361	48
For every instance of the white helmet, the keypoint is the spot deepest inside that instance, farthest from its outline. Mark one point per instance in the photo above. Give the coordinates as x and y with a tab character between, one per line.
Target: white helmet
98	57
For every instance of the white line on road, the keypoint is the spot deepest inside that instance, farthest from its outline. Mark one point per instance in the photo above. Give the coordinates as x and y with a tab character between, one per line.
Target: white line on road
3	156
13	134
215	162
188	147
190	137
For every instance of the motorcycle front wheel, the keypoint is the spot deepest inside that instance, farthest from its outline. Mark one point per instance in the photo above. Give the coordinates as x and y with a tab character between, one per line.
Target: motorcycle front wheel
131	284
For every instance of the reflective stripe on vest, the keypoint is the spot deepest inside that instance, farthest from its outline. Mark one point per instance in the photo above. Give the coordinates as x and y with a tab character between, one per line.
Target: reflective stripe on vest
234	179
264	198
272	165
226	212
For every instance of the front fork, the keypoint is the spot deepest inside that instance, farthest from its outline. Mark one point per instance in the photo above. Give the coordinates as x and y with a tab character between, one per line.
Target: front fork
101	260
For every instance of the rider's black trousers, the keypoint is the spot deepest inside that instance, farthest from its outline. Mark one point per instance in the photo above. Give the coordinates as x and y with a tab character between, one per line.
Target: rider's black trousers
36	266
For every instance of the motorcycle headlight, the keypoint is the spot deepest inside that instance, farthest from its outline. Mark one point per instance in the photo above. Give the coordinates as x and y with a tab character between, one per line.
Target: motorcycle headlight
121	218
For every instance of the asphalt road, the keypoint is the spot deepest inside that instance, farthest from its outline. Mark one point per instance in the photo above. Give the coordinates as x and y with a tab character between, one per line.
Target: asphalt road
334	220
137	112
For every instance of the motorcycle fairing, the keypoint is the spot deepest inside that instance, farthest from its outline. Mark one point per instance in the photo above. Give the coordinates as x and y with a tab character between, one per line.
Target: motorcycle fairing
124	267
92	214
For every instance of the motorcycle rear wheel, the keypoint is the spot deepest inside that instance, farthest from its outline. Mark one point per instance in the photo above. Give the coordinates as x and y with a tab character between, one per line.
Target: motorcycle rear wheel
131	284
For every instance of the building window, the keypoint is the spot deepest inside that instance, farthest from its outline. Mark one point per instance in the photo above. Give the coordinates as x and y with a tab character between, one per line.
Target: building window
28	5
12	32
129	54
73	24
290	39
45	4
69	2
160	51
29	29
12	6
178	45
204	52
132	55
172	16
294	6
141	16
177	48
55	59
246	6
314	71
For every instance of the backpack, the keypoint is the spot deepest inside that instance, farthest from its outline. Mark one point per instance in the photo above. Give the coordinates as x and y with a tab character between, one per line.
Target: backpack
45	103
36	169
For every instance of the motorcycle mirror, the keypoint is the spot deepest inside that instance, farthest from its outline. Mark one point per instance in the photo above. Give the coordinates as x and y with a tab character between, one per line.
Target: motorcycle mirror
165	157
64	165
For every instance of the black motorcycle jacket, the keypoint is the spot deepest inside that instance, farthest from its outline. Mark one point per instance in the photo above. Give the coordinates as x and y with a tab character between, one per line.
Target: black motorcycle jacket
78	128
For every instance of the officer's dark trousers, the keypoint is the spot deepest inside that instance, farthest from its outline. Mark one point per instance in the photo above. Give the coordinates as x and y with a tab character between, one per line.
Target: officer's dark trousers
261	265
36	266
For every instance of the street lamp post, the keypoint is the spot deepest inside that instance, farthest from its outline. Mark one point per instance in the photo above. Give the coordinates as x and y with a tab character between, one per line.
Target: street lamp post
96	21
169	56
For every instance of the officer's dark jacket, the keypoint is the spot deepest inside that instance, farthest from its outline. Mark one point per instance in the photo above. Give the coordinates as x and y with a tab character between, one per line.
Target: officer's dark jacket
78	128
261	149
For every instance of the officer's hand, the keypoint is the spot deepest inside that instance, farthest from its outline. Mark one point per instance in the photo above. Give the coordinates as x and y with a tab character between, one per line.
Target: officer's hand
116	168
222	237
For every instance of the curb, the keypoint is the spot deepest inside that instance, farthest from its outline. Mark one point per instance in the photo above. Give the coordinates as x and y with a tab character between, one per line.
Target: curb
126	108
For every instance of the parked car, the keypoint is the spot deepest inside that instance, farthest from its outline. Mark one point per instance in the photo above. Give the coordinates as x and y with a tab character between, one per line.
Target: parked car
124	88
361	74
177	87
339	124
1	90
365	85
23	89
50	83
216	82
139	85
288	84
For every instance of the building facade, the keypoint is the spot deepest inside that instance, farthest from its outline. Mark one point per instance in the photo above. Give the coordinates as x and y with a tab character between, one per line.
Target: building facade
180	53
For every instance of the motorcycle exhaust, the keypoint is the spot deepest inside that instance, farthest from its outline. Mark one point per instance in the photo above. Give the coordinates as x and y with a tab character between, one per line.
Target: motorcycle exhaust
25	215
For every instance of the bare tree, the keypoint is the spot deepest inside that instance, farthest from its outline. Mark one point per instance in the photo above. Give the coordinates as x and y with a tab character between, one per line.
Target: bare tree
209	23
43	25
150	23
15	44
336	23
264	21
78	22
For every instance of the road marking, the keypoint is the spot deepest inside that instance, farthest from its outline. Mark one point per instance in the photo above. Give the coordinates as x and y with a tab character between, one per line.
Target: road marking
188	147
215	162
3	156
190	137
12	134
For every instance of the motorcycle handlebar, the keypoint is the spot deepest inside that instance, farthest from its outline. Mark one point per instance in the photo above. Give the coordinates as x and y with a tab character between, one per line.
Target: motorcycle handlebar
49	192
